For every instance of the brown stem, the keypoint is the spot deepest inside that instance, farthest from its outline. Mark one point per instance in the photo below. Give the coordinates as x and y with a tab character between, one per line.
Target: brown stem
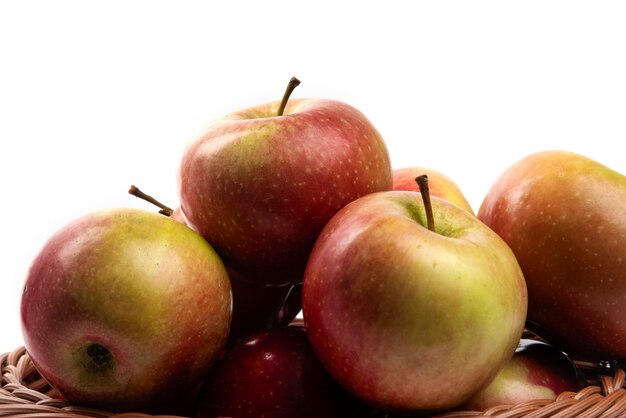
422	182
293	83
138	193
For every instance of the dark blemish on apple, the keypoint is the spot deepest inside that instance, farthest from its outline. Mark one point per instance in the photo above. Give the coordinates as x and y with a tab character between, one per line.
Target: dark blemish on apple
99	355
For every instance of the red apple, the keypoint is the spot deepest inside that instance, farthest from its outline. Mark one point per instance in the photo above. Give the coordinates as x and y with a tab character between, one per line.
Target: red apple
440	185
274	374
125	310
409	319
563	215
260	185
536	371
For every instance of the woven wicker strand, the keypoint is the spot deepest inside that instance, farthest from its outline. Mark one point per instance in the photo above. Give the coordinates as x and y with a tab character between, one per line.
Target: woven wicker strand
24	394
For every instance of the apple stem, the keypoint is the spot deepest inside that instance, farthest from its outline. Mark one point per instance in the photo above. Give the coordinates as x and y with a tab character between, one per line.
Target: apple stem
138	193
422	182
293	83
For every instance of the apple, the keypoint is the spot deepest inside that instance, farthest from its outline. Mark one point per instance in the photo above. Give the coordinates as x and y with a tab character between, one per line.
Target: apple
396	310
125	309
261	183
439	184
536	371
274	374
256	306
563	215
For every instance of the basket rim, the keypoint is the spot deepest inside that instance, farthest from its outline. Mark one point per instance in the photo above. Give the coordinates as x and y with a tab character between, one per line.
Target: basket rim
23	392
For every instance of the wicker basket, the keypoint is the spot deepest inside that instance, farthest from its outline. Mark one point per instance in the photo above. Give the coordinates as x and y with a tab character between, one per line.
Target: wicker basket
23	393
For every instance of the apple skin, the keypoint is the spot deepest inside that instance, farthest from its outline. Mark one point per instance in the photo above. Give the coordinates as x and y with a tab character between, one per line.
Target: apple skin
396	312
274	374
260	187
536	371
125	309
439	184
562	214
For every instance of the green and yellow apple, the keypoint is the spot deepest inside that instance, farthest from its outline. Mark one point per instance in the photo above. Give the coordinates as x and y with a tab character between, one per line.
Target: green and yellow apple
125	309
409	319
439	184
564	217
256	306
260	184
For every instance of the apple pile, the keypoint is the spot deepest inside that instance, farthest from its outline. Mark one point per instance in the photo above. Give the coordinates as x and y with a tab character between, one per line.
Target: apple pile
412	304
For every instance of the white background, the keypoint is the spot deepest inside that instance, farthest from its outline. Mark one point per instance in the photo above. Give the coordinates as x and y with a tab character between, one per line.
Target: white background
95	96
